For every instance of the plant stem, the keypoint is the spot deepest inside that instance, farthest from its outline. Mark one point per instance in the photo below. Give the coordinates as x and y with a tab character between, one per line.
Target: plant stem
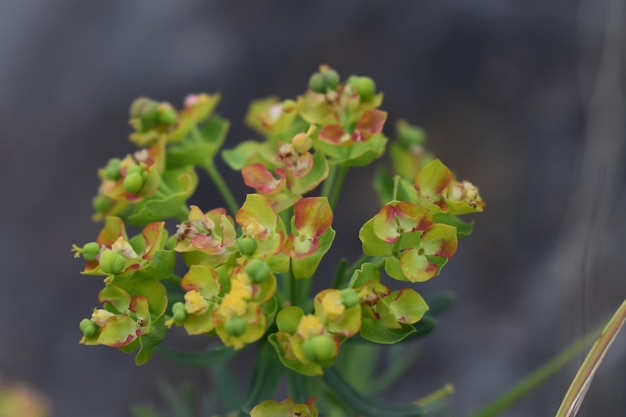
337	186
577	390
216	177
535	379
328	183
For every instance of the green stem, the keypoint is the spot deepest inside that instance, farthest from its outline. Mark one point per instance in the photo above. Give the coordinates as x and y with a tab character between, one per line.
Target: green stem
535	379
328	183
299	388
579	386
216	177
337	186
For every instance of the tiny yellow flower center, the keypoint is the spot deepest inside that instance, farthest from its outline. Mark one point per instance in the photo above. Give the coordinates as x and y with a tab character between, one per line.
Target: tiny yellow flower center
124	248
195	303
332	305
235	302
310	325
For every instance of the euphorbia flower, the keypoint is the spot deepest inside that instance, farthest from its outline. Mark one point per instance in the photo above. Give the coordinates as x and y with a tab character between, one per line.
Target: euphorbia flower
371	123
202	289
259	222
212	232
423	261
312	235
286	408
395	227
238	319
339	314
440	192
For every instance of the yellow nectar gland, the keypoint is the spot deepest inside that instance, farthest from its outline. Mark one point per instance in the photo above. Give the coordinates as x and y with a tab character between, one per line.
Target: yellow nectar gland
195	303
235	302
332	305
310	325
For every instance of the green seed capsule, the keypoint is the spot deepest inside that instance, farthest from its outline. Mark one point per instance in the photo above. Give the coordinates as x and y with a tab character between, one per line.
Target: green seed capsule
171	242
331	77
112	262
101	204
167	114
90	251
320	349
349	297
317	83
133	183
410	135
112	170
246	246
88	328
258	271
366	87
178	312
236	326
139	105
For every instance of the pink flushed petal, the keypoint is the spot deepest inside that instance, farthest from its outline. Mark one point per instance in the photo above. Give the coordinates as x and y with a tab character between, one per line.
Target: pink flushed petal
297	248
312	216
371	122
333	134
204	242
303	166
258	177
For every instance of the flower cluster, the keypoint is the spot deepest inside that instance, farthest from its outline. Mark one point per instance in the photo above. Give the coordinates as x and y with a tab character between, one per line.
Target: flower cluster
248	268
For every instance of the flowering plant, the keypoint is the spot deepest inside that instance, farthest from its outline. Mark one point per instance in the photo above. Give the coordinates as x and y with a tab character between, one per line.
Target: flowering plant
244	274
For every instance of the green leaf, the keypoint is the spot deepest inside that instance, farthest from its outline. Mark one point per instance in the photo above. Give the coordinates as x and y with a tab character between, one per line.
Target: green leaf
364	153
196	359
265	376
462	228
372	245
161	266
182	183
364	406
384	185
376	332
119	298
150	340
196	150
251	152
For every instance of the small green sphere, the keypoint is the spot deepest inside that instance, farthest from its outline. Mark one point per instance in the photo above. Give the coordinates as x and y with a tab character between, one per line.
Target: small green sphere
139	106
88	328
332	78
112	262
112	170
133	183
167	114
366	87
246	246
101	204
171	242
236	326
258	271
349	297
317	83
178	312
90	251
320	349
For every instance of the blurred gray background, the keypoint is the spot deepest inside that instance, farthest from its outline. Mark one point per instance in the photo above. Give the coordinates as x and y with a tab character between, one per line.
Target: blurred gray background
524	98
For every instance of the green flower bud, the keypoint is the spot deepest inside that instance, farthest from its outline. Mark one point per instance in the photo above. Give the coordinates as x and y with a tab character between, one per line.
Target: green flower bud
167	114
349	297
317	83
88	328
112	262
112	170
409	135
366	87
90	251
331	77
140	106
101	204
302	143
178	312
235	326
133	183
171	242
246	246
352	81
320	349
258	271
133	169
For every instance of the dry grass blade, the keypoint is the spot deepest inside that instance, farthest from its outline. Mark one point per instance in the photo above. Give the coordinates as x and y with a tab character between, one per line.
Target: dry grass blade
578	389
